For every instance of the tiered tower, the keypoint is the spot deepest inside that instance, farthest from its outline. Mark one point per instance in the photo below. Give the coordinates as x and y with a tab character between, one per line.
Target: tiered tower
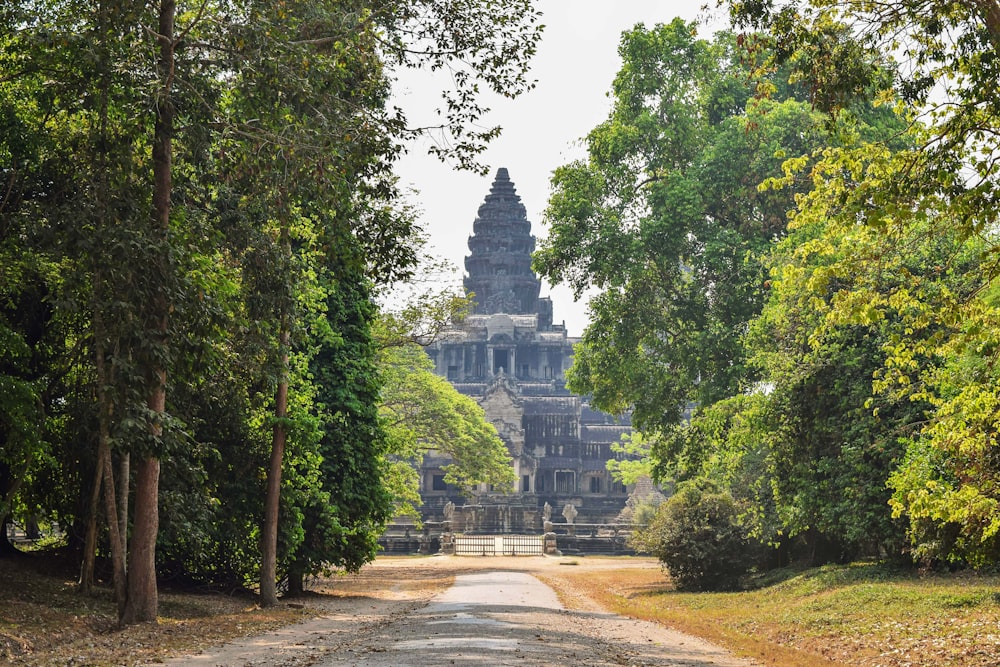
499	264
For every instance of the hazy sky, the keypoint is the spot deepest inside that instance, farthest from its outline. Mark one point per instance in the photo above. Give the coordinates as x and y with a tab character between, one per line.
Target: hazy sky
574	67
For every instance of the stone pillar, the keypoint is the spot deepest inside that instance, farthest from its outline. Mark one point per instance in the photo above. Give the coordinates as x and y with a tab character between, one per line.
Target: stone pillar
448	543
424	542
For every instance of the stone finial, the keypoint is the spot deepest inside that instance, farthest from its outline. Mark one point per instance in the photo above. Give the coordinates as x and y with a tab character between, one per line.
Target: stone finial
569	512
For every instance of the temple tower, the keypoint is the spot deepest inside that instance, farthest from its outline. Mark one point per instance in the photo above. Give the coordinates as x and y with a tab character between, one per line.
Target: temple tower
499	263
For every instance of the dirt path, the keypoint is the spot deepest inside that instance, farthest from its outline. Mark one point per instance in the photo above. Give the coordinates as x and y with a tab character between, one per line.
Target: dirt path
456	611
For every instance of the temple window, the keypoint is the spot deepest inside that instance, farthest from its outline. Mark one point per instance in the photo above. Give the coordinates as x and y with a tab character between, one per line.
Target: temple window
564	482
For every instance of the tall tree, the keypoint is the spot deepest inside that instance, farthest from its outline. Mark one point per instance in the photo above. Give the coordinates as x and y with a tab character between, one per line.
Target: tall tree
171	112
666	219
947	184
142	601
340	529
820	343
669	218
318	103
71	177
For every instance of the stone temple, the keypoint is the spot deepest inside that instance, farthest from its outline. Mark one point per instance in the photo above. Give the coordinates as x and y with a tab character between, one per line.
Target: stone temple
510	356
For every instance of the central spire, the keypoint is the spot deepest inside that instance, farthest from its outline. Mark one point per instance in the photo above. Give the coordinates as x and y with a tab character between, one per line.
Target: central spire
499	263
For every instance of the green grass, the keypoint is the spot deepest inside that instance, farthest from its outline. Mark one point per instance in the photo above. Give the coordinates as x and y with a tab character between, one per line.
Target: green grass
859	614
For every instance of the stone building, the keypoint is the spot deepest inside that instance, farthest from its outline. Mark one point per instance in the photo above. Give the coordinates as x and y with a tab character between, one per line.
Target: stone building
510	356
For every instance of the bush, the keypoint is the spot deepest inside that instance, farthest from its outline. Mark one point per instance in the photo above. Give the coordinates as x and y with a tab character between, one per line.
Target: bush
697	537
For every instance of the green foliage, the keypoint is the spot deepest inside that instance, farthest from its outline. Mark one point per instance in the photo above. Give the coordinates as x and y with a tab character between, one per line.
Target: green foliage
632	460
697	537
947	187
644	511
424	414
21	421
728	443
343	527
853	324
276	212
947	486
666	219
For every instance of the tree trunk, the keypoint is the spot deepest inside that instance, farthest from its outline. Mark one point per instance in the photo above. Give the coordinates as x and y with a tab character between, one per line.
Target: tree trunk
123	482
296	580
115	539
269	537
103	476
141	604
6	548
9	485
86	582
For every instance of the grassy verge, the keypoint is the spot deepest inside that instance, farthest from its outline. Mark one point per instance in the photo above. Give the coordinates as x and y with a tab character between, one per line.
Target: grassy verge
863	615
859	615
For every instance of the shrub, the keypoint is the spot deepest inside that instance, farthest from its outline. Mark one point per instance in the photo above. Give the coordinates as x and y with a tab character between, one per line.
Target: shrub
697	537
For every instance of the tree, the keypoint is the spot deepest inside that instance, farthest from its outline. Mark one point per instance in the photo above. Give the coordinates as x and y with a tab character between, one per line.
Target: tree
815	435
21	406
942	188
899	292
140	235
697	537
21	422
341	529
632	461
669	218
666	219
423	413
71	173
728	444
331	59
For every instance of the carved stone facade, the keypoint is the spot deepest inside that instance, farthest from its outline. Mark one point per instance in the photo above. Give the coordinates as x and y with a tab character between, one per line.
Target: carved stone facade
512	359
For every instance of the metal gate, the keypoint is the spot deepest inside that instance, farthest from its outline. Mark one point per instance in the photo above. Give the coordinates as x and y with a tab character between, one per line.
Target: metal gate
523	545
499	545
475	545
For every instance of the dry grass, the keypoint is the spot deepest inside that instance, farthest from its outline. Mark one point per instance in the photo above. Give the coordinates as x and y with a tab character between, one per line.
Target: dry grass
861	615
45	621
867	616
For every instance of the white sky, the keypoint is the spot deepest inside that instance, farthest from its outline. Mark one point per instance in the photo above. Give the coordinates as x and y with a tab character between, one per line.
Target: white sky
574	67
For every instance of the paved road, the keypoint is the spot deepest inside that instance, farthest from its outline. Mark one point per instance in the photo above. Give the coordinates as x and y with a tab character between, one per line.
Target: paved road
510	618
